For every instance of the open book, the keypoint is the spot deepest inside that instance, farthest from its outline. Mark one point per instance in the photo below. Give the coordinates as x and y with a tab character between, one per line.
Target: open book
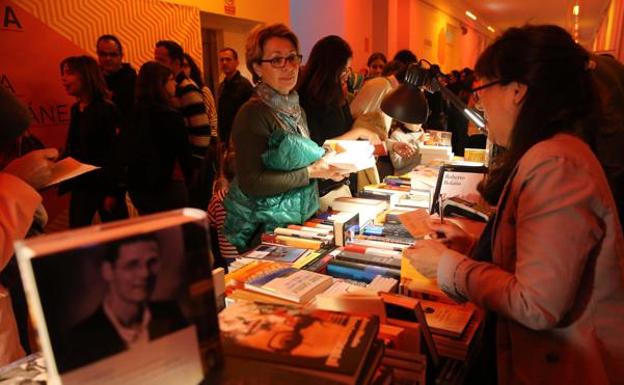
68	168
112	302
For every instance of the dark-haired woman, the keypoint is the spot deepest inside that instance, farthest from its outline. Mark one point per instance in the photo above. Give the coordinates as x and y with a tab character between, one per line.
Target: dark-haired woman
376	63
323	97
551	264
160	159
92	138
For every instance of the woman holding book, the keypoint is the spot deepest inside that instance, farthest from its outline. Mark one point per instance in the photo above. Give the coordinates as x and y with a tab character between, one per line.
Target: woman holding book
93	138
550	265
276	162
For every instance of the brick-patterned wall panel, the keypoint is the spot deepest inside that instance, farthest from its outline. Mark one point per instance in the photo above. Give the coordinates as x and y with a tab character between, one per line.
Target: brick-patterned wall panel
137	23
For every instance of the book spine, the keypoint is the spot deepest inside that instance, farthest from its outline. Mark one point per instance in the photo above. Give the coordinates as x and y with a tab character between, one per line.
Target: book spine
302	234
379	245
372	251
291	241
312	223
369	259
377	270
314	230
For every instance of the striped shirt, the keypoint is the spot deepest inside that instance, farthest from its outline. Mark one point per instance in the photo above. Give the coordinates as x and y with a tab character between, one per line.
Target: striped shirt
190	102
216	218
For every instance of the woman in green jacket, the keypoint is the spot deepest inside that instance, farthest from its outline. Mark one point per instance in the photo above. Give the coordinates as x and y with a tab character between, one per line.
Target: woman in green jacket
276	162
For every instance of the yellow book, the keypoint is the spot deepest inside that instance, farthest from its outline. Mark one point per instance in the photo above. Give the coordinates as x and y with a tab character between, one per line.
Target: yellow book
413	281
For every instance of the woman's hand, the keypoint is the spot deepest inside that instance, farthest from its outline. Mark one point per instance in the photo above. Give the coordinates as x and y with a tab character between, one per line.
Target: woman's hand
321	170
404	150
454	236
425	256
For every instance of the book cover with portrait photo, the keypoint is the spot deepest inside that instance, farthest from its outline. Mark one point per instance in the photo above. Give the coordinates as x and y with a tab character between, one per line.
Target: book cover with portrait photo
126	302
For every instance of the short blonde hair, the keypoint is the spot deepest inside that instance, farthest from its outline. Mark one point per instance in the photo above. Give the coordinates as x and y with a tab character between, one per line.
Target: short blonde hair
254	49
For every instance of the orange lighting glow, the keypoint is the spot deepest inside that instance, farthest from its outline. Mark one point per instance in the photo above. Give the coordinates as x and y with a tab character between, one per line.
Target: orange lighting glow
471	15
491	29
575	10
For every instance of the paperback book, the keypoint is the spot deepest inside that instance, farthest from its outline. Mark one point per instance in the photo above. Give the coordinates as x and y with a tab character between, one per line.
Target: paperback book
110	302
303	339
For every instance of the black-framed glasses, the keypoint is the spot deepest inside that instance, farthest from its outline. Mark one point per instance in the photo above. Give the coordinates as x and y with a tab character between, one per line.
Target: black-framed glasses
486	85
280	61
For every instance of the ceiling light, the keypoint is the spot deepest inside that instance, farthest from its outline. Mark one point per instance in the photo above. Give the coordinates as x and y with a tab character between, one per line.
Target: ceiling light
471	15
575	10
491	29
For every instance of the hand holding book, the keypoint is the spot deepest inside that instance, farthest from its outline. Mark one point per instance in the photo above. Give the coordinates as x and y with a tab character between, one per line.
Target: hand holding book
425	256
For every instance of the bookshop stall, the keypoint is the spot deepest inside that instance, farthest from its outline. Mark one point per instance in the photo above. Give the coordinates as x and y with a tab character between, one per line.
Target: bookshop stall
332	300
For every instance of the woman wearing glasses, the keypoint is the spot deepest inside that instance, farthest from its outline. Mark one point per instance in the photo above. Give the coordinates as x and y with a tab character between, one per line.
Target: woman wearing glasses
276	162
550	266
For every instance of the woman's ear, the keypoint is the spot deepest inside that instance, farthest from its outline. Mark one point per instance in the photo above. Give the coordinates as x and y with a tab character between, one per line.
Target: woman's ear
257	69
520	90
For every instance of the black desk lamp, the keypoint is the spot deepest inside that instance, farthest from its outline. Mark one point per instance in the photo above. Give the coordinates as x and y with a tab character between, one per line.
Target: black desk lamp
408	103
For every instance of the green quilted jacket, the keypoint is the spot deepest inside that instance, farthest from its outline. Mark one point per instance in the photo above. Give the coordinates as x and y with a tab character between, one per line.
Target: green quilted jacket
245	214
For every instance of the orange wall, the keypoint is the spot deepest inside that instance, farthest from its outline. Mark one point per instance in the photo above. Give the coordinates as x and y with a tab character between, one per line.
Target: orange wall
274	11
610	34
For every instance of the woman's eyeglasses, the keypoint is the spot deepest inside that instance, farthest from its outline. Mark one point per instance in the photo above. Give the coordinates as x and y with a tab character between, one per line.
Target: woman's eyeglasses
475	91
280	61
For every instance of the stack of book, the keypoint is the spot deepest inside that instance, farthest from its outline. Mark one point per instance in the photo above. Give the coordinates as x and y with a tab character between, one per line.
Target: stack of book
279	344
430	154
466	345
368	209
363	263
278	280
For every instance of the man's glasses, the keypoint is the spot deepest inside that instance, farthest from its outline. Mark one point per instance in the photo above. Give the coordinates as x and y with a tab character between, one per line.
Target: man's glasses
280	61
107	54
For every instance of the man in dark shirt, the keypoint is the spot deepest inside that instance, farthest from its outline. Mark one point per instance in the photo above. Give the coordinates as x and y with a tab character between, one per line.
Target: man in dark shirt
120	77
233	92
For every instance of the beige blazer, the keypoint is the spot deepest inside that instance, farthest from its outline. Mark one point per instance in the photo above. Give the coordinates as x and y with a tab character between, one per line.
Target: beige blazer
557	282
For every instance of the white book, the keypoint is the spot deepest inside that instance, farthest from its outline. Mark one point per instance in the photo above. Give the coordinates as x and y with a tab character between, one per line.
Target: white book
158	266
350	155
291	284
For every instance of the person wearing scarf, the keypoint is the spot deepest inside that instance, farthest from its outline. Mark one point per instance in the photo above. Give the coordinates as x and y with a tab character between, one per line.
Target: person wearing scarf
276	162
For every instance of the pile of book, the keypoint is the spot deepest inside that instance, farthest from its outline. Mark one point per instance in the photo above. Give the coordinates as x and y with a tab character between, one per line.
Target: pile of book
279	344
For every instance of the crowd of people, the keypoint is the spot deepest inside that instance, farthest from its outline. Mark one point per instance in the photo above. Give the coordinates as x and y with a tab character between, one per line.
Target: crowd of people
254	159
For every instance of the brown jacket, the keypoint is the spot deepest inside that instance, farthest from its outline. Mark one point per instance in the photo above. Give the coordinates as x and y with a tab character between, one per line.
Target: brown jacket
557	281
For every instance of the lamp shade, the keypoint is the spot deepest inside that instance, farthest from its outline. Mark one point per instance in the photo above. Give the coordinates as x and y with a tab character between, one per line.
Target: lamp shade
407	104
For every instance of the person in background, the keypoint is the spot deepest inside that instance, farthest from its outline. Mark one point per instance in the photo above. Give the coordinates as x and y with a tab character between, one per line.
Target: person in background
92	138
120	77
404	141
160	161
19	201
276	162
189	100
549	265
233	92
226	252
323	98
191	70
376	63
405	56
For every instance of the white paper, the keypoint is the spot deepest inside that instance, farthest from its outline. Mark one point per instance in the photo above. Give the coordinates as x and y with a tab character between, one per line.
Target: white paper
68	168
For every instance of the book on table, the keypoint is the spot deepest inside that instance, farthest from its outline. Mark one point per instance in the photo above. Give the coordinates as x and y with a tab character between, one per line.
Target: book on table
291	284
158	266
276	253
326	345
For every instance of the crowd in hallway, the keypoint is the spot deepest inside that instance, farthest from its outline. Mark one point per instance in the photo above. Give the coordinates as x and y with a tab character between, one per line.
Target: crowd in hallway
250	153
